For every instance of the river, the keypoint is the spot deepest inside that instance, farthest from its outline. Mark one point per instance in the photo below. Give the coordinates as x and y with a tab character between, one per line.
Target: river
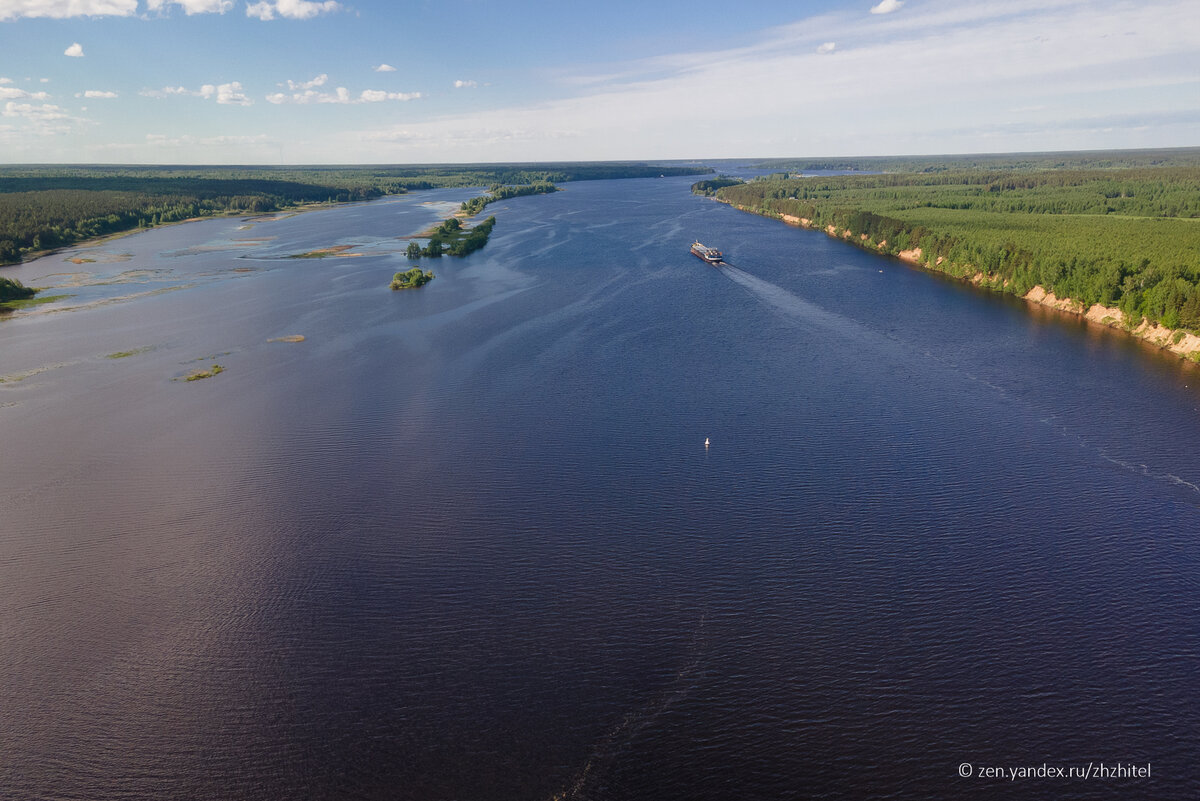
467	541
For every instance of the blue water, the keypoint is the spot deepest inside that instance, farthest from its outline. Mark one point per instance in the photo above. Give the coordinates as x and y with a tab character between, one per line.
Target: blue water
466	542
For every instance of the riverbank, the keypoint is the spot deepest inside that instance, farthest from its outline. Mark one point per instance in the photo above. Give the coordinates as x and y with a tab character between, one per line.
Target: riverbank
1181	342
103	239
1114	246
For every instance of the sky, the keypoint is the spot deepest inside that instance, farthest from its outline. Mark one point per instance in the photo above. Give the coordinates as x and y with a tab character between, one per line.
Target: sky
417	81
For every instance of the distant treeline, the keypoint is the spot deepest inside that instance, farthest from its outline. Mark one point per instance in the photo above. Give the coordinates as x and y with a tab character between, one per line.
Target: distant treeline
1093	159
46	207
1128	238
33	221
502	192
435	176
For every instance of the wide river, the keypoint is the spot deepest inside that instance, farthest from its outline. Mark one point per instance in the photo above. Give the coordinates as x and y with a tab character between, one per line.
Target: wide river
467	541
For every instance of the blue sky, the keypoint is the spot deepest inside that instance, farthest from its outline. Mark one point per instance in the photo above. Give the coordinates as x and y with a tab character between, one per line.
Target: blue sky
296	81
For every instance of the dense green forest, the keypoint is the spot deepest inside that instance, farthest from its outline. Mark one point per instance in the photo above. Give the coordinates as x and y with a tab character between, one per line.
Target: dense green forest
1126	237
47	207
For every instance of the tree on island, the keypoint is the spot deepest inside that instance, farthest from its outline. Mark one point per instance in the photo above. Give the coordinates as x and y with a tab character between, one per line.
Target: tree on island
12	289
411	279
452	238
413	252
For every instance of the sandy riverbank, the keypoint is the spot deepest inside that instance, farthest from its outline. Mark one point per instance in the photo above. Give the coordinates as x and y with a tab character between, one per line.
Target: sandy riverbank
1183	344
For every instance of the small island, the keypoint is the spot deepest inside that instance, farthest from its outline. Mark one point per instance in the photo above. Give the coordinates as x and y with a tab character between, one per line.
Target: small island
125	354
324	253
15	295
199	375
451	238
12	289
411	279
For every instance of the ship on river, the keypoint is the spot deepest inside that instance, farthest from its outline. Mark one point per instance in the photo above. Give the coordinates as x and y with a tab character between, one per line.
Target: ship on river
710	255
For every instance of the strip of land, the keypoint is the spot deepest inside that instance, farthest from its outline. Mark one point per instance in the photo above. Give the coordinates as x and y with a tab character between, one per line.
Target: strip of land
1119	246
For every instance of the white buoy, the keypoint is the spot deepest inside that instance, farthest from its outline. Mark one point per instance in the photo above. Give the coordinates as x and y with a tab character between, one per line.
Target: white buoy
706	442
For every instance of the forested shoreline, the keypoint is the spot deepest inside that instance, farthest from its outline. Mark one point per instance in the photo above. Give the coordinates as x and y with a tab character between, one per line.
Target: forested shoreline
47	207
1124	238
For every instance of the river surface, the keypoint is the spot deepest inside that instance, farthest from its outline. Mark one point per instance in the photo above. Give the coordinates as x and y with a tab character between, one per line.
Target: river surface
467	542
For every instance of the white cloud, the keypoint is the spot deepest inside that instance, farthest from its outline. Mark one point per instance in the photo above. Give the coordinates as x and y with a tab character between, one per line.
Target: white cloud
5	80
96	93
62	9
1099	47
191	7
827	47
74	51
227	94
30	111
12	93
887	6
290	9
465	84
340	95
296	86
376	96
231	94
385	68
166	91
46	119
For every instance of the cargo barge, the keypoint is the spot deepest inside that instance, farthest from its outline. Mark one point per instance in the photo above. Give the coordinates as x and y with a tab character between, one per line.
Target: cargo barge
710	255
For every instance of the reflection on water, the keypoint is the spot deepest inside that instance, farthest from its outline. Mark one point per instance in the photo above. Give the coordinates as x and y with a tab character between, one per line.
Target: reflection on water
468	542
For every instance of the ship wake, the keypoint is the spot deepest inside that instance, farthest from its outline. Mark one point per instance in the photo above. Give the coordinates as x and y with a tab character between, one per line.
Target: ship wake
791	305
591	781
